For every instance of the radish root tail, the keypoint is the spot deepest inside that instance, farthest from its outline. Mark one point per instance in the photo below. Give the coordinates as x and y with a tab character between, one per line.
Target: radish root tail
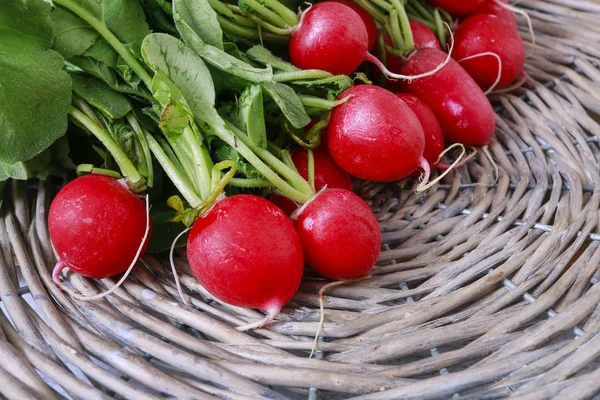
488	154
174	270
514	86
424	185
488	53
60	265
125	275
390	75
271	314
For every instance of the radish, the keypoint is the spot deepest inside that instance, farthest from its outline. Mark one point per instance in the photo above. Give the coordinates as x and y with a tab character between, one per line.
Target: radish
97	227
462	109
367	19
458	7
332	37
495	7
340	235
326	173
422	37
375	136
434	138
245	252
486	44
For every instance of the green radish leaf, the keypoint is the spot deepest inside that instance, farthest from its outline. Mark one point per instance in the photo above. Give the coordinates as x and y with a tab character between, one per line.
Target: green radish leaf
187	72
36	93
250	115
73	36
263	56
173	119
333	85
99	95
96	69
289	103
201	19
220	59
159	15
103	52
126	20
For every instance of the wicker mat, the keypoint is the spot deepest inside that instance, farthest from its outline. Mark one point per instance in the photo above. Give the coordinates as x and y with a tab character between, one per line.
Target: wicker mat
485	288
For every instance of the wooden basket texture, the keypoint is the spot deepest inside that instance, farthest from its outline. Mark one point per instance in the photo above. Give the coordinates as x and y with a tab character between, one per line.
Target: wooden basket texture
484	289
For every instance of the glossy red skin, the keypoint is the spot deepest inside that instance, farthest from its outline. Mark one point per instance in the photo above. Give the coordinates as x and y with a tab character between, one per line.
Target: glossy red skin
489	33
327	173
366	18
96	226
245	252
374	135
340	235
331	37
422	36
434	138
458	7
493	8
463	111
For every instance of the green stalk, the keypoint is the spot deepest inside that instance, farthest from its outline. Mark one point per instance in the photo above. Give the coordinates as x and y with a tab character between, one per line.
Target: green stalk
269	15
374	11
318	102
141	136
422	9
135	181
174	173
221	7
288	15
382	4
440	29
244	21
394	31
101	28
201	160
251	34
311	168
301	75
187	163
250	183
269	27
409	43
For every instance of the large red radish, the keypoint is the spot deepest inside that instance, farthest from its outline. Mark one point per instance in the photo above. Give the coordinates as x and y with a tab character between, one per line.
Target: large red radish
495	7
462	109
326	173
485	42
458	7
245	252
375	136
340	235
434	138
97	226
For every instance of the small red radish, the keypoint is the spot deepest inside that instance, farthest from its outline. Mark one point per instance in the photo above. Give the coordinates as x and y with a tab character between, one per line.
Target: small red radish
483	35
434	138
457	7
375	136
368	20
245	252
340	235
96	226
422	37
462	109
327	173
494	7
332	37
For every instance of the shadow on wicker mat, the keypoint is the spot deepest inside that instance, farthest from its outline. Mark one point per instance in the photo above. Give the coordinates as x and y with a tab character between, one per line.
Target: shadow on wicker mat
482	290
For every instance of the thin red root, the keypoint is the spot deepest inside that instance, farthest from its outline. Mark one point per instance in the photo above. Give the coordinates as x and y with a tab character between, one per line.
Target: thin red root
423	186
488	53
390	75
271	314
60	265
514	86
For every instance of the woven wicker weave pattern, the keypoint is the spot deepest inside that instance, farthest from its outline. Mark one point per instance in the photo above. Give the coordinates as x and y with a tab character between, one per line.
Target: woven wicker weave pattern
484	288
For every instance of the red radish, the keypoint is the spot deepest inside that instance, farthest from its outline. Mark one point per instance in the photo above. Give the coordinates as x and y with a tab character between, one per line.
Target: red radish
458	7
327	173
368	20
375	136
422	37
332	37
494	7
340	235
462	109
434	138
483	35
96	226
245	252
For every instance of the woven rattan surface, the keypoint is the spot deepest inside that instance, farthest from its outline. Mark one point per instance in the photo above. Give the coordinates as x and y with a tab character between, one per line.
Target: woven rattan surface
483	289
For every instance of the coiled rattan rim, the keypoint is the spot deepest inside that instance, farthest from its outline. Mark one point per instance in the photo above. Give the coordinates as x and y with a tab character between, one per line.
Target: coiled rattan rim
483	289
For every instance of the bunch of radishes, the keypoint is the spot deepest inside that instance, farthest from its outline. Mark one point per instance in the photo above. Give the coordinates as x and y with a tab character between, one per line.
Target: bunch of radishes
244	249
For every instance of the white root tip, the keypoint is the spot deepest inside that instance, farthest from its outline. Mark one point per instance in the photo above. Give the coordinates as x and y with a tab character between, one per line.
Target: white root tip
129	269
271	314
423	186
390	75
174	270
488	53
